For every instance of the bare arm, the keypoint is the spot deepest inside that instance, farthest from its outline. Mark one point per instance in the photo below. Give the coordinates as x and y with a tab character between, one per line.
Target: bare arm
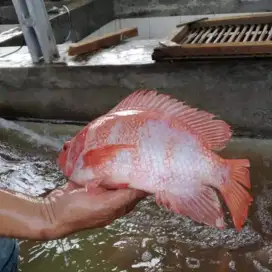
24	217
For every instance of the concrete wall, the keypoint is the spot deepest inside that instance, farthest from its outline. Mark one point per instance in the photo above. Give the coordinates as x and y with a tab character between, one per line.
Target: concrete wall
125	8
90	17
240	92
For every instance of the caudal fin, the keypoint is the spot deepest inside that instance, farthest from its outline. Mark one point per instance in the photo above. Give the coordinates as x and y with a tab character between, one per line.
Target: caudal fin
235	195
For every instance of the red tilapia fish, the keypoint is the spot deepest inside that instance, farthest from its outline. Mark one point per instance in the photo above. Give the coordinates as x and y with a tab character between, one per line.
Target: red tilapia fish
157	144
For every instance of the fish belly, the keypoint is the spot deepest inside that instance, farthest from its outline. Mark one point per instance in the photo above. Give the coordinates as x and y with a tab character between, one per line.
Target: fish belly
169	159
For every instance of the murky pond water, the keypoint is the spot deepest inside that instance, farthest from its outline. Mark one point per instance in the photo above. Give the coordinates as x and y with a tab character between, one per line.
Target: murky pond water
149	238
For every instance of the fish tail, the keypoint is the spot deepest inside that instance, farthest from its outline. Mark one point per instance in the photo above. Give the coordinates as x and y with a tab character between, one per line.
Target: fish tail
235	195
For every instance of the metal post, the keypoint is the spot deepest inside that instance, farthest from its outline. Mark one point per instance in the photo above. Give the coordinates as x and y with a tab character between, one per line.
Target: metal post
37	30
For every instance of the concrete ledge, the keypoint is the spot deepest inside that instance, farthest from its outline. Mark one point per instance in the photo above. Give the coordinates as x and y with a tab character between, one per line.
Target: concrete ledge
91	15
238	91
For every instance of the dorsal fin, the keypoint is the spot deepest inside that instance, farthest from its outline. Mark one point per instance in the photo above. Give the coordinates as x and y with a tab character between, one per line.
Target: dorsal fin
214	133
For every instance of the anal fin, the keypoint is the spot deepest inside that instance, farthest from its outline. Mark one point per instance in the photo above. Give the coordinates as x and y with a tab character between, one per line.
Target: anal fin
203	206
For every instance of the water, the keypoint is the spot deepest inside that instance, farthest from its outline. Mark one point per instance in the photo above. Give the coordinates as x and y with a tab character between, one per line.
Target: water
149	239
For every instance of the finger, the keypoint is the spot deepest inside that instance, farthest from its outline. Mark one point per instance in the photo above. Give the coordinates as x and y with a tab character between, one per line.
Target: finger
141	194
88	192
127	207
95	190
108	185
122	198
56	193
70	186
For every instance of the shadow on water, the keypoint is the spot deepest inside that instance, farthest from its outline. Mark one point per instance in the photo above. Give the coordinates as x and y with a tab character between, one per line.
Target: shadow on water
149	239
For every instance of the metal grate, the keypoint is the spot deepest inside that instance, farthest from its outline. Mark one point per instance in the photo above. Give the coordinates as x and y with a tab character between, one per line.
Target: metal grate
244	36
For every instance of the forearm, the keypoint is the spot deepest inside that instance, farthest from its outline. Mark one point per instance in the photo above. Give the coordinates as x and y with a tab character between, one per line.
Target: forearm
25	217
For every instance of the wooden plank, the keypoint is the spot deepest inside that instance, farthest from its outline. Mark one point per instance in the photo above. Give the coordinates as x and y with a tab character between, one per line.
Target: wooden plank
157	58
234	34
263	18
107	40
269	34
249	48
198	36
242	33
256	31
167	43
226	35
212	35
205	35
190	23
190	36
246	38
263	33
178	34
220	34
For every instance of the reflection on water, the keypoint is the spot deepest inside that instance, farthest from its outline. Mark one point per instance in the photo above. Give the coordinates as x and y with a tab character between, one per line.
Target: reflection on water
149	239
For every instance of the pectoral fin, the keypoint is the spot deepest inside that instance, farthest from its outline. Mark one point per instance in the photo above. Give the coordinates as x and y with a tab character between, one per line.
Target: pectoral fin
95	157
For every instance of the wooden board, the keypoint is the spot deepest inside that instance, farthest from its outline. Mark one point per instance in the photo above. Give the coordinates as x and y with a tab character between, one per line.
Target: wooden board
246	36
105	41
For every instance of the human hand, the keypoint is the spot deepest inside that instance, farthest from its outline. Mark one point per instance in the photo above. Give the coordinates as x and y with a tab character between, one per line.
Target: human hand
74	209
